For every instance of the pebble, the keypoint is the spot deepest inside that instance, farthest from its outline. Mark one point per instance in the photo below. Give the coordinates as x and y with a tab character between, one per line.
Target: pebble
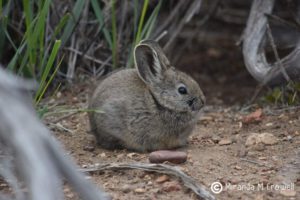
225	142
171	186
162	179
268	139
103	155
216	139
139	190
126	188
269	124
89	147
161	156
253	117
132	155
264	138
288	193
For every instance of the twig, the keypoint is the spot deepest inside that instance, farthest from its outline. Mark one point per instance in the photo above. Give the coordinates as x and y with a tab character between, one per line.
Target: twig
278	60
211	11
59	126
88	57
64	117
188	182
170	18
283	21
161	36
194	7
278	64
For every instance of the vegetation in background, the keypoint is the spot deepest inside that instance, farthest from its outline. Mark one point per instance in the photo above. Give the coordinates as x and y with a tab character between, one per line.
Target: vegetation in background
35	35
284	95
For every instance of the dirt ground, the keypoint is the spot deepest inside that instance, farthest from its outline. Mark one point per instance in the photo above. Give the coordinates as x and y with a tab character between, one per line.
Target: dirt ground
217	149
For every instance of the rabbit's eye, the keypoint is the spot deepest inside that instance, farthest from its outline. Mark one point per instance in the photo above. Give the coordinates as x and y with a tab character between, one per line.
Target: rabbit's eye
182	90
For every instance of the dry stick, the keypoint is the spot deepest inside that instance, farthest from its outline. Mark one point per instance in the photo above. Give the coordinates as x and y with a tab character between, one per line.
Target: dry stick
194	7
211	11
170	18
88	57
72	59
188	182
163	34
59	126
283	21
279	62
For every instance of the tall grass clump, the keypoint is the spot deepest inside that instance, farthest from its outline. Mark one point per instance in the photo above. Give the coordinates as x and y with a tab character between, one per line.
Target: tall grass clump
31	50
42	38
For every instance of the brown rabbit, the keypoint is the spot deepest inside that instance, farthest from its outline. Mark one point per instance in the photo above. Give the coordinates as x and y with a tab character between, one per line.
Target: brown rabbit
148	108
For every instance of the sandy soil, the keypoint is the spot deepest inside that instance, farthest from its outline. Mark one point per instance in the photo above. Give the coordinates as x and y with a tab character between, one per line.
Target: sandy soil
216	152
217	149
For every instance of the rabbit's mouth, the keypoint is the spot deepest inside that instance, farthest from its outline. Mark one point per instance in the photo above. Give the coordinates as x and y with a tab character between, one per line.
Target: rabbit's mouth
195	104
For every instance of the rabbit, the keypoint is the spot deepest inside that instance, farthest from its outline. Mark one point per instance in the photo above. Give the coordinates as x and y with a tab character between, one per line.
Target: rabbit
151	107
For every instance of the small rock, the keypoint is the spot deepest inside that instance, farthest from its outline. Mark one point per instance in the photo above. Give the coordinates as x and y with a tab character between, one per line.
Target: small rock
237	167
288	193
253	117
139	190
215	139
162	179
126	188
225	142
269	124
89	147
102	155
120	156
262	158
268	139
264	138
171	186
70	195
252	139
132	155
259	197
161	156
206	118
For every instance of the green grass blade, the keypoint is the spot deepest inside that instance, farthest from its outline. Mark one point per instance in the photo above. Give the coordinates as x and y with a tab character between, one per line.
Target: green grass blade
135	17
141	22
39	31
114	34
147	30
76	12
100	18
48	67
57	30
48	82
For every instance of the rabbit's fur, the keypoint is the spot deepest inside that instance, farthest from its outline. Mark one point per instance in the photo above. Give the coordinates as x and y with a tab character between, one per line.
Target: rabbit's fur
142	109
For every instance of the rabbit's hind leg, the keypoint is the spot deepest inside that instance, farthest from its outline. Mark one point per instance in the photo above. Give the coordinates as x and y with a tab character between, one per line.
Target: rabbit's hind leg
108	141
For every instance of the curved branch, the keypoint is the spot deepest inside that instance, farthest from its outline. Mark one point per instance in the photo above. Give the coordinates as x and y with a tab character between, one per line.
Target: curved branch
254	56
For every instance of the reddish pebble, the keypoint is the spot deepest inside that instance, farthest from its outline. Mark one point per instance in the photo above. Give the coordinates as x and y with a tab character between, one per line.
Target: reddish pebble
171	186
161	156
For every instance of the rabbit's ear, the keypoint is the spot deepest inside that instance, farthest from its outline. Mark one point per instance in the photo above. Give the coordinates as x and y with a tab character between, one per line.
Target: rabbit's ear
148	63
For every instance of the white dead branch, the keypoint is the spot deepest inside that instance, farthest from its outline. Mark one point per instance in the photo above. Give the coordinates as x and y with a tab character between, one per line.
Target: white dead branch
253	49
31	161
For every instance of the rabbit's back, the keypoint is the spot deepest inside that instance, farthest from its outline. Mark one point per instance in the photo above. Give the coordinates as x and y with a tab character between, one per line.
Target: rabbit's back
116	105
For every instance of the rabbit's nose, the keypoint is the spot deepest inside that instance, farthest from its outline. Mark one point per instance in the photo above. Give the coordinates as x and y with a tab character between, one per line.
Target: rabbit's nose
196	104
191	101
